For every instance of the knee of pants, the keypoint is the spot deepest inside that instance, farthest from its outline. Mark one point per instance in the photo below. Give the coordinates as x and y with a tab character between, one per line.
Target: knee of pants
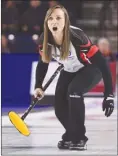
74	93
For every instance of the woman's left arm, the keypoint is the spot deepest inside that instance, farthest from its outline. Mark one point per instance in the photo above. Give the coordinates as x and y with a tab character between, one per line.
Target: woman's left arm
99	61
90	53
108	102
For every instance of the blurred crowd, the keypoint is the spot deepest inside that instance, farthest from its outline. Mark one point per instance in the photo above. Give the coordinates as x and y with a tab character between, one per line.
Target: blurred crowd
25	19
28	16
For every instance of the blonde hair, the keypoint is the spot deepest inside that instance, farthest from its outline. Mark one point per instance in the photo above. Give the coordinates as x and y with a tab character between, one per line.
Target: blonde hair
46	55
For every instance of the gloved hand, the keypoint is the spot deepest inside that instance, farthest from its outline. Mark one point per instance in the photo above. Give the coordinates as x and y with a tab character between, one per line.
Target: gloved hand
108	105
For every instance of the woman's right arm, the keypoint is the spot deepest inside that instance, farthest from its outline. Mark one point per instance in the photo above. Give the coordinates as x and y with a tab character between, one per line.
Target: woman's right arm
41	71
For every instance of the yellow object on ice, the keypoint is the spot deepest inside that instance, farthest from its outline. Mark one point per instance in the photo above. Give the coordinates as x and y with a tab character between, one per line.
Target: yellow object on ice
19	123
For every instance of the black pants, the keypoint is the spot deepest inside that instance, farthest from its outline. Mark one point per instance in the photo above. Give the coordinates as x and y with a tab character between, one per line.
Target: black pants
69	102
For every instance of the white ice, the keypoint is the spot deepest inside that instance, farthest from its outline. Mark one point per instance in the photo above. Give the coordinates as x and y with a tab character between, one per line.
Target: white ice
46	131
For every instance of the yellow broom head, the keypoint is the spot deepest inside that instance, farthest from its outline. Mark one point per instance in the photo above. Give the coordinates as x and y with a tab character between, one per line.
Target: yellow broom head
19	123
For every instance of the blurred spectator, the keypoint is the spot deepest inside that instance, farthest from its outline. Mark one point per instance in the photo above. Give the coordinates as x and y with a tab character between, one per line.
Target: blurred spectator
22	6
4	45
52	3
33	18
74	9
105	48
105	15
10	17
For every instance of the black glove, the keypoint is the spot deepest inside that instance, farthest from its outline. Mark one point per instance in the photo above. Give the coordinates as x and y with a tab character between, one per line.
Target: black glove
108	105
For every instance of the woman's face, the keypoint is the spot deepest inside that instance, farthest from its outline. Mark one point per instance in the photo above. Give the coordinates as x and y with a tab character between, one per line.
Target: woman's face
56	21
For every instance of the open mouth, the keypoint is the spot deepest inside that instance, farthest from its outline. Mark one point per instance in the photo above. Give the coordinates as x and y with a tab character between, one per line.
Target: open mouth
54	28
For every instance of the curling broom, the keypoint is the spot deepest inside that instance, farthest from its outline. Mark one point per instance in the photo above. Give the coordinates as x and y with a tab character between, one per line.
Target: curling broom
18	121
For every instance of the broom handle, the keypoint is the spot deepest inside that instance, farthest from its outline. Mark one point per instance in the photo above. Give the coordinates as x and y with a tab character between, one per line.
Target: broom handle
35	101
